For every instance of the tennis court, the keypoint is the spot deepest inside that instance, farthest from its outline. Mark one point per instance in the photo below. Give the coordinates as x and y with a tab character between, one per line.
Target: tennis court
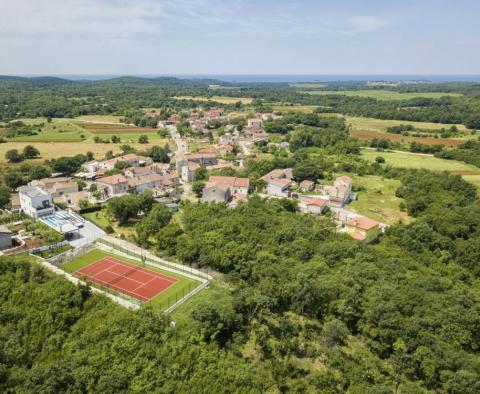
134	281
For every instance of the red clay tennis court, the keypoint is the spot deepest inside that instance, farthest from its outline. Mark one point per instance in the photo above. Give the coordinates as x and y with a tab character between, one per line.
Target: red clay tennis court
134	281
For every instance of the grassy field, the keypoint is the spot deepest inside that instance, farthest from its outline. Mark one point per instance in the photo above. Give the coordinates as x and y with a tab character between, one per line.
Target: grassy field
58	130
218	99
367	129
294	108
378	200
100	118
50	151
416	160
384	94
381	125
215	295
160	302
311	85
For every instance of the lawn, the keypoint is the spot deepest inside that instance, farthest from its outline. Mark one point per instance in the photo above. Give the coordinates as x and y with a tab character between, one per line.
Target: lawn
161	301
378	200
218	99
99	218
216	295
416	160
384	94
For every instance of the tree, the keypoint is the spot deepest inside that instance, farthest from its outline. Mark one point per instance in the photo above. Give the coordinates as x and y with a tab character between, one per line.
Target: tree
159	154
13	156
380	159
200	174
143	139
30	152
197	188
158	217
5	192
115	139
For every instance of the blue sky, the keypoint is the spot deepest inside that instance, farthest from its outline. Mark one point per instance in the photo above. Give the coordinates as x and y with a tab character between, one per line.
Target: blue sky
239	37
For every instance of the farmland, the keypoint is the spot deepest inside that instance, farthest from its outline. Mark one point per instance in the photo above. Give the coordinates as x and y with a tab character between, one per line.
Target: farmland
294	108
384	94
218	99
417	160
51	151
367	129
58	130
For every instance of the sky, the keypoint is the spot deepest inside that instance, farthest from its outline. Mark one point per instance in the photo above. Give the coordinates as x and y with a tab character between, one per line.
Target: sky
162	37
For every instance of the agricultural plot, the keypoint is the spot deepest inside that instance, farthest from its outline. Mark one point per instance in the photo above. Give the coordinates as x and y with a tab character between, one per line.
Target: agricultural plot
51	151
218	99
99	118
58	130
384	94
367	129
293	108
417	160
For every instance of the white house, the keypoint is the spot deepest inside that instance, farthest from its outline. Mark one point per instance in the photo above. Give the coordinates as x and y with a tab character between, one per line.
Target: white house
35	202
279	187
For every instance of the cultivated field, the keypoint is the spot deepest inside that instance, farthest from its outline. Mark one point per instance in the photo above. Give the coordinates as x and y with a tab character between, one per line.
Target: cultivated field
218	99
58	130
384	94
378	200
380	125
99	118
417	160
51	151
294	108
367	129
311	85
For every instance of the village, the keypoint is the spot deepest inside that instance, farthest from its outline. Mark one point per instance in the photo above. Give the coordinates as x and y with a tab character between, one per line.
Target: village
59	201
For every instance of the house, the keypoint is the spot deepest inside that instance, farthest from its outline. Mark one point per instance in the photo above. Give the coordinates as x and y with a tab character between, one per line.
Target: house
175	118
131	159
135	172
216	193
91	166
306	186
15	202
73	200
277	173
255	134
5	238
228	139
35	201
204	159
225	188
256	123
197	125
362	228
215	113
314	205
114	185
279	187
341	192
188	171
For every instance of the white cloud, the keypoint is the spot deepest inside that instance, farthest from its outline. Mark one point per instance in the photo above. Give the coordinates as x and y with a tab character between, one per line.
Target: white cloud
365	23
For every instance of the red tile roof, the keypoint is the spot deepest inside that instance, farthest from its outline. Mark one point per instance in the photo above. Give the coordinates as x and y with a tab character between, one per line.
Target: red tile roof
112	180
229	181
362	222
319	202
